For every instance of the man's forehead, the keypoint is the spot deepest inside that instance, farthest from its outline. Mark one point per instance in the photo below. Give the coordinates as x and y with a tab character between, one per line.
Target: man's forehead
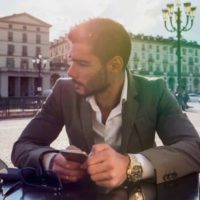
80	48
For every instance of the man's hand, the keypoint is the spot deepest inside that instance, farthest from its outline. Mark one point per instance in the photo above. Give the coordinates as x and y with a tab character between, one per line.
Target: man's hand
66	170
107	167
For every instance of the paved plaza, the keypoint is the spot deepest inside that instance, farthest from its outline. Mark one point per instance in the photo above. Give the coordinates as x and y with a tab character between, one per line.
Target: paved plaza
10	130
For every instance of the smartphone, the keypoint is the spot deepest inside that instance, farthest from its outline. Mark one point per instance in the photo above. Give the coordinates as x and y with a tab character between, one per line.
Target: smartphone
74	155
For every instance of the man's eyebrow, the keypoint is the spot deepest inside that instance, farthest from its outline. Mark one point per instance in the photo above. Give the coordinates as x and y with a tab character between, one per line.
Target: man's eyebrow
78	60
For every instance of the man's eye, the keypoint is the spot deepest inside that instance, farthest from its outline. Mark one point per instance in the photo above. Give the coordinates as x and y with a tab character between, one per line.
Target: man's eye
83	64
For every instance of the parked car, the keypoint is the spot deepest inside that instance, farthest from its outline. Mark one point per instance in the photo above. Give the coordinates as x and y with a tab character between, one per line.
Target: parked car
194	97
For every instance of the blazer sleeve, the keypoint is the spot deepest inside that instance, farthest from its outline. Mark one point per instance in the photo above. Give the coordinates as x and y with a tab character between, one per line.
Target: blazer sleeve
180	154
40	132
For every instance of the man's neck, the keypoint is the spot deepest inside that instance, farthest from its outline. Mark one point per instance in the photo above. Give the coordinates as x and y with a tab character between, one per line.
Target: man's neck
110	98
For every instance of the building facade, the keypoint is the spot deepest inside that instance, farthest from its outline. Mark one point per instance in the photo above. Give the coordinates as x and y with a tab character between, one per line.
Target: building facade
156	56
58	60
22	38
150	56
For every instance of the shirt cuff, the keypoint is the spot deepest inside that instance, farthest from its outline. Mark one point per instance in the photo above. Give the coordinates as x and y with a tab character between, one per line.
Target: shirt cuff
46	160
148	169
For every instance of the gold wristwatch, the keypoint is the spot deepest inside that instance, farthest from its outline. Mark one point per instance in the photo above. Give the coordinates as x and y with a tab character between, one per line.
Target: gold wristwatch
134	171
137	195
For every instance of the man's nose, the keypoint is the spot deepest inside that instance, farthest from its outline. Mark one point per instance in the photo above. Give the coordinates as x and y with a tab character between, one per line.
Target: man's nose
71	72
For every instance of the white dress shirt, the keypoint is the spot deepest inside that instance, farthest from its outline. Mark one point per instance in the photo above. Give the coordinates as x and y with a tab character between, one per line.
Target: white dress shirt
109	132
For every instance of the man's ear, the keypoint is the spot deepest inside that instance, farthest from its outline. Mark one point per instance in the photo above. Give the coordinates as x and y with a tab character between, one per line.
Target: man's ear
116	64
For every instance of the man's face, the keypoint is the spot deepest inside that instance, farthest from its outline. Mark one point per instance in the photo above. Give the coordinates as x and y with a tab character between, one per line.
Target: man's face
86	70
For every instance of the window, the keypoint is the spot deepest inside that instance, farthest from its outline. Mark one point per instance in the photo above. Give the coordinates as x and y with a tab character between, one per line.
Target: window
10	36
171	69
11	49
190	61
10	63
37	51
184	69
191	69
143	56
190	50
196	52
150	58
165	57
150	67
171	50
184	51
157	48
24	63
158	68
24	50
24	37
165	65
164	48
38	39
196	70
10	26
143	47
24	27
38	29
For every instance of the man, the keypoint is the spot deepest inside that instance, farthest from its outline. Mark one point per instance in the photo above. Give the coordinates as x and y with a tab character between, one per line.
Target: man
112	115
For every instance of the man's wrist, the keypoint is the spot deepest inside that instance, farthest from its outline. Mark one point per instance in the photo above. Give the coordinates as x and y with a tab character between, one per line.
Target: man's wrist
47	160
134	170
52	161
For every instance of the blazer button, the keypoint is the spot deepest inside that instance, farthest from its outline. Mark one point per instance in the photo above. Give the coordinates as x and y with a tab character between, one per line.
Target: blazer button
165	177
171	176
174	175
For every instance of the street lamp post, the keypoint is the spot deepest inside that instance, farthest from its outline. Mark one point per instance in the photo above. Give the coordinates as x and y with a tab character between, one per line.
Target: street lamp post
39	63
172	17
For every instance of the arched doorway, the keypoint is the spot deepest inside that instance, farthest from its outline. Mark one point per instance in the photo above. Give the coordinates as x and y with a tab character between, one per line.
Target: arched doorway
184	83
196	85
171	83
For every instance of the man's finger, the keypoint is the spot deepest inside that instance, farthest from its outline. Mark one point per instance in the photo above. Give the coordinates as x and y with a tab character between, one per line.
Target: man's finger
99	147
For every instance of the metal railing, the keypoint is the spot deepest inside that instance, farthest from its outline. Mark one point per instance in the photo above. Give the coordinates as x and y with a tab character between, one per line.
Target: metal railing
19	106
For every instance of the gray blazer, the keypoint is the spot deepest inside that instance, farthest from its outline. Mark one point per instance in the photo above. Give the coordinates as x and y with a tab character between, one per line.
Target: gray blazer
150	108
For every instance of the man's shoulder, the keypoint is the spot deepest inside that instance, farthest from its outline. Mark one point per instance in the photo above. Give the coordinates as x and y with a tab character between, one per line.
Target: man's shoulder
147	81
64	83
64	86
147	87
64	80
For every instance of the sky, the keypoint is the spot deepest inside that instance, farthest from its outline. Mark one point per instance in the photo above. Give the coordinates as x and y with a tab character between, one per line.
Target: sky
138	16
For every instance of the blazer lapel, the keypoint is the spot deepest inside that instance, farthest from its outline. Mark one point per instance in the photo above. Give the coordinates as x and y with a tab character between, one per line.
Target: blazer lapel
129	111
86	121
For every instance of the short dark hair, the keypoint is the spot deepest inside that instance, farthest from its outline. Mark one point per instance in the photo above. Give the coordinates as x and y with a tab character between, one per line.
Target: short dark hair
108	38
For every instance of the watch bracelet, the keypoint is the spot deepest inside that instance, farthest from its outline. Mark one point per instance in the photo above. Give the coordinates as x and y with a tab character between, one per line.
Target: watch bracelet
134	171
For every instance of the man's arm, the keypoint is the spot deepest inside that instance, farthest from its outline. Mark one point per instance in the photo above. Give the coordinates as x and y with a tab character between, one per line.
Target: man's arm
181	153
39	133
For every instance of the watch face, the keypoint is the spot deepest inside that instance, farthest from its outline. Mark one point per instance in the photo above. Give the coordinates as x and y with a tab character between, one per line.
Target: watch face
135	171
137	196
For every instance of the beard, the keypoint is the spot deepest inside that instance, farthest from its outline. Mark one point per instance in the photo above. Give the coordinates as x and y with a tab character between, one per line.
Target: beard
97	85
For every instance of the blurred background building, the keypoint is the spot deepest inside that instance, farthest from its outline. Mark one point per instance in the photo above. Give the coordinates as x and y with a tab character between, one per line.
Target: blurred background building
23	38
156	57
58	60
